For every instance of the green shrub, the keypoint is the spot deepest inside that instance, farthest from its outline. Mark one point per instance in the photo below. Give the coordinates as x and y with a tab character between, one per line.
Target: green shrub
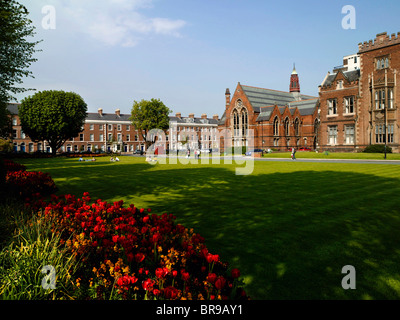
21	263
377	148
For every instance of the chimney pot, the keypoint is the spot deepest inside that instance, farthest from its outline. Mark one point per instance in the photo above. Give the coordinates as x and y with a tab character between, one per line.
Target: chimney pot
118	112
100	111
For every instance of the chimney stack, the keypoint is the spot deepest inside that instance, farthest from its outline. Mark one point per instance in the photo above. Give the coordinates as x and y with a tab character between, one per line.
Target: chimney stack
118	112
227	98
191	115
100	111
204	116
215	117
178	114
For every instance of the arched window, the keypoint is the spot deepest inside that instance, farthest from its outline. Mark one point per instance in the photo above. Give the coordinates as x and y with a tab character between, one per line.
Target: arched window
286	125
235	123
297	127
276	126
244	122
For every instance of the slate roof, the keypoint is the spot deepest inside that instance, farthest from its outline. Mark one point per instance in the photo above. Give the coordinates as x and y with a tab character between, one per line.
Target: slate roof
189	120
13	108
260	97
352	75
107	116
305	107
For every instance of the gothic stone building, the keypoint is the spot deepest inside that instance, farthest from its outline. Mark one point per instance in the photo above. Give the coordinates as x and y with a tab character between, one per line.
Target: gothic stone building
360	107
279	120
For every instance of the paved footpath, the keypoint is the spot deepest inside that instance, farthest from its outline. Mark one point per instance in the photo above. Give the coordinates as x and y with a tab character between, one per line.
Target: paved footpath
357	161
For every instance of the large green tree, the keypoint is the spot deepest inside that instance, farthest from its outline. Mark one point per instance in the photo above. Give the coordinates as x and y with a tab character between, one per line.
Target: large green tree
147	115
16	53
53	116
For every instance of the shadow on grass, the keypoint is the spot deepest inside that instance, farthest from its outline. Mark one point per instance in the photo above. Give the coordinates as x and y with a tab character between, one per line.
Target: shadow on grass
289	233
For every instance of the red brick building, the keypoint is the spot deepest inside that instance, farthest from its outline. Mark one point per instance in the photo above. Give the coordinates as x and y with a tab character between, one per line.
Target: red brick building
360	107
101	132
279	119
105	132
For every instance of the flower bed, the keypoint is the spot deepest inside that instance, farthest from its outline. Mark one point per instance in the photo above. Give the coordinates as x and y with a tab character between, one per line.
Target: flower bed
126	252
130	253
29	183
12	166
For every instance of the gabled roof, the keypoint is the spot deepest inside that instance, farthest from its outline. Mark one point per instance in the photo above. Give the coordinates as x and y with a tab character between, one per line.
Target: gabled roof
260	97
351	76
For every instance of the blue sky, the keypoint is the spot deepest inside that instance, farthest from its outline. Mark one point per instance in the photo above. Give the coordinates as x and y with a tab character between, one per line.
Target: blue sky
187	52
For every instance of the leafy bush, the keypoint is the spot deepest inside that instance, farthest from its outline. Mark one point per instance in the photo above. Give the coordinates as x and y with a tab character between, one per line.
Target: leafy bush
22	261
13	166
6	146
29	183
377	148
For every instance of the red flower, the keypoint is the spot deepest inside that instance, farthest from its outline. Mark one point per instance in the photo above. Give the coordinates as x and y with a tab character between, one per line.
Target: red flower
148	284
174	273
185	276
235	273
156	292
211	277
146	219
161	272
139	257
171	292
220	283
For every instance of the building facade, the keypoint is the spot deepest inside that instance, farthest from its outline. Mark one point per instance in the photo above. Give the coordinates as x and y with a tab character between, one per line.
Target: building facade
114	132
360	107
357	105
278	120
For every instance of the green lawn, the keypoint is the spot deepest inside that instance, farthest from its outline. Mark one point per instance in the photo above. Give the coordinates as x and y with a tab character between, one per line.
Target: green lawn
289	226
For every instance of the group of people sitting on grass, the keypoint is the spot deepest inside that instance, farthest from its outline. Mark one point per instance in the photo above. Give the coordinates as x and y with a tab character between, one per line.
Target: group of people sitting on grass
81	159
114	159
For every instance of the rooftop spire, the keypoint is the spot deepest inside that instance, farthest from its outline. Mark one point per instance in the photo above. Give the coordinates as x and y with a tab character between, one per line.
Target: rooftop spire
294	69
294	81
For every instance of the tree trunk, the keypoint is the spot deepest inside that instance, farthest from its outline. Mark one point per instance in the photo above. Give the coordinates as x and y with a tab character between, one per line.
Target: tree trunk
54	149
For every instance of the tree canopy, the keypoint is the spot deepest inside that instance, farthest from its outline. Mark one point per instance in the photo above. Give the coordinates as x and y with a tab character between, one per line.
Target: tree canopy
147	115
53	116
16	54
